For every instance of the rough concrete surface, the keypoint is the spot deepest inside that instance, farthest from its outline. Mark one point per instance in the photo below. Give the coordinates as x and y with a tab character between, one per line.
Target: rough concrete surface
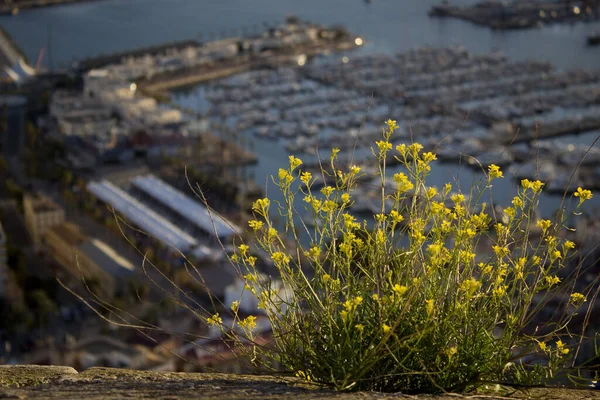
46	382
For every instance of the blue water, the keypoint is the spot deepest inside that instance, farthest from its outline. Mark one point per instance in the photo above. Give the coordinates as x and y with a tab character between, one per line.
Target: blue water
89	29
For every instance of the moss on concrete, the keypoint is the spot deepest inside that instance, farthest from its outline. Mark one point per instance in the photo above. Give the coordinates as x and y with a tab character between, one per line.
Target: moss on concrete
31	382
31	375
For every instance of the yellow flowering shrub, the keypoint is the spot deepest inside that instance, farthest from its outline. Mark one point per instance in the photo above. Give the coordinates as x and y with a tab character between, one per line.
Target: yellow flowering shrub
433	294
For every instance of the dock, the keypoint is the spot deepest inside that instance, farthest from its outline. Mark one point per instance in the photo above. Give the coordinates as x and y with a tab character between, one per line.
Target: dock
114	58
520	14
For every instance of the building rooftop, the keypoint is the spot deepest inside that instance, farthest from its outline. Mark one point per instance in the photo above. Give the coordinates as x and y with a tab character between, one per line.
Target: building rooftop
42	204
145	218
107	258
69	233
186	207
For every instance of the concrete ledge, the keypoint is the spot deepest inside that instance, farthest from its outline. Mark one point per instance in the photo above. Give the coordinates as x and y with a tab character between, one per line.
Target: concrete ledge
48	382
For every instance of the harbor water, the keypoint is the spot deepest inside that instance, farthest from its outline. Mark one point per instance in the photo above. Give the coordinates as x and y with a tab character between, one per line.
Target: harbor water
73	32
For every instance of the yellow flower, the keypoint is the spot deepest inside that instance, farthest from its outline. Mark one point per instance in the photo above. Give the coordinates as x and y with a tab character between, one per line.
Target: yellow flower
399	289
334	153
329	206
560	347
544	224
485	268
537	186
396	216
383	146
261	205
380	217
457	198
403	183
215	320
235	305
249	323
401	148
294	162
243	249
386	328
583	194
272	233
511	212
470	286
280	258
256	225
434	249
392	125
284	176
569	245
431	192
251	260
447	188
543	346
429	307
578	298
354	170
345	198
518	202
303	375
359	327
375	297
494	172
451	351
325	278
555	255
306	177
500	251
380	236
429	157
552	280
415	148
499	291
327	190
315	251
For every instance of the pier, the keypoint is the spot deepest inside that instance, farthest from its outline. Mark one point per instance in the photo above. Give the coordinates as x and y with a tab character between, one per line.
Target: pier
520	14
115	58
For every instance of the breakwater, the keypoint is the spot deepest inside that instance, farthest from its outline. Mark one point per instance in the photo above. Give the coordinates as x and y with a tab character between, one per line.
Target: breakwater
15	6
115	58
521	15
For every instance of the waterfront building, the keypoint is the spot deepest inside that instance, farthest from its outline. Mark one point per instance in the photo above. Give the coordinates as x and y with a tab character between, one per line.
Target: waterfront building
143	217
192	212
80	256
41	215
